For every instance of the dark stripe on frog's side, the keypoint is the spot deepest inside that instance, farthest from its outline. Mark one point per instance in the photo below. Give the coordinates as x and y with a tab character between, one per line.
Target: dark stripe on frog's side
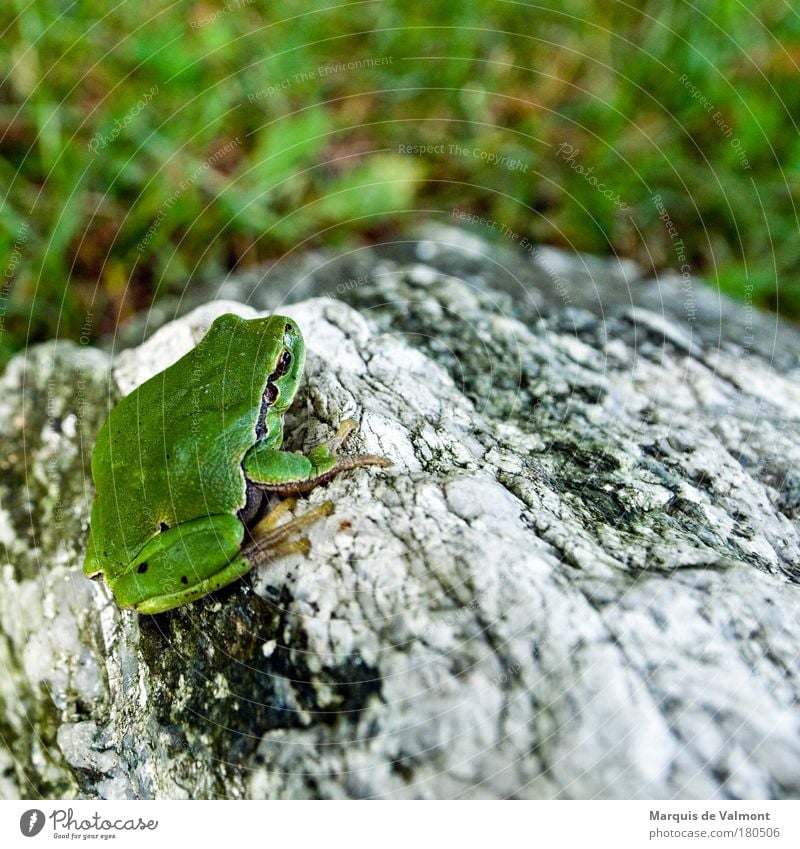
270	396
271	392
255	501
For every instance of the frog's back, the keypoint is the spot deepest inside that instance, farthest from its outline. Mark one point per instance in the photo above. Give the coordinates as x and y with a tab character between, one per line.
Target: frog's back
171	451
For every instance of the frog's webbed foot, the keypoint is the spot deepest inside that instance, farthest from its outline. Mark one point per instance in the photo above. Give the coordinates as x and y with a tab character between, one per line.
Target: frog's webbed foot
269	540
293	474
335	442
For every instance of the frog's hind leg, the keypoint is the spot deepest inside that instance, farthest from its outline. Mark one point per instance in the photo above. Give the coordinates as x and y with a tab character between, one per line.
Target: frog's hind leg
269	540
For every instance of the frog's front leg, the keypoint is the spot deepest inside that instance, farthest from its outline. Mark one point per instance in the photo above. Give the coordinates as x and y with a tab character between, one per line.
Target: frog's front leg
291	473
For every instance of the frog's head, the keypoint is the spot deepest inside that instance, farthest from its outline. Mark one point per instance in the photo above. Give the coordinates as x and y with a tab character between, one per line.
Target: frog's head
286	363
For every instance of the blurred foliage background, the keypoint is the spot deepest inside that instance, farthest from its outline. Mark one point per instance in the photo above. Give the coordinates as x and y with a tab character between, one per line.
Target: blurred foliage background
146	144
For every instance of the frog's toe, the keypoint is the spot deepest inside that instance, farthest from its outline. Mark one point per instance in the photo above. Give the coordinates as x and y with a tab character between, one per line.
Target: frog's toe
269	540
270	521
300	546
345	429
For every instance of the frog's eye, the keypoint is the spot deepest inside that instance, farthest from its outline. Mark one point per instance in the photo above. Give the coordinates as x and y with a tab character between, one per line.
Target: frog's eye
271	394
283	365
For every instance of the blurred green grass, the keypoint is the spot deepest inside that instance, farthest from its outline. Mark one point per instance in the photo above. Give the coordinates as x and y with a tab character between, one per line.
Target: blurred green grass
148	144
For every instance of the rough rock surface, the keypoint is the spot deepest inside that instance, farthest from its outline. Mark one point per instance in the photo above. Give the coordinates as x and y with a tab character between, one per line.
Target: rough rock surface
579	580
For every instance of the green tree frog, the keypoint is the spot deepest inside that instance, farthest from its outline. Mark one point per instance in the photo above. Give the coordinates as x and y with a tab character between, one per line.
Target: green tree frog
185	465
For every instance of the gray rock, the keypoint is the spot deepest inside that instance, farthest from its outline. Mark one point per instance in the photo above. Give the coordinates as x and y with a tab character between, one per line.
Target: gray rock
579	580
